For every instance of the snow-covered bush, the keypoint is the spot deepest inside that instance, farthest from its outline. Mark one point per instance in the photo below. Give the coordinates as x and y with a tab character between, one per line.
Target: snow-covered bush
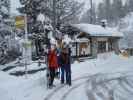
126	26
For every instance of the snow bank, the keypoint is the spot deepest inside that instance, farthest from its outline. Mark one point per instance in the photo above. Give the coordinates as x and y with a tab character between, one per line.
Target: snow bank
106	63
4	77
13	88
6	82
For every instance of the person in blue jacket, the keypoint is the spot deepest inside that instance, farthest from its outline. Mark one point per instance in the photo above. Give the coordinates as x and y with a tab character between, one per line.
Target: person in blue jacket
65	59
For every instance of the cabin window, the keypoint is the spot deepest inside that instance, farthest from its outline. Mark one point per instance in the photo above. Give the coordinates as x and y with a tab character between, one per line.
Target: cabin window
110	45
101	46
84	48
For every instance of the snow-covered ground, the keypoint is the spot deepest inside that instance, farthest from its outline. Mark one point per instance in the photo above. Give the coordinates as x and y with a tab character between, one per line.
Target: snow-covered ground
107	78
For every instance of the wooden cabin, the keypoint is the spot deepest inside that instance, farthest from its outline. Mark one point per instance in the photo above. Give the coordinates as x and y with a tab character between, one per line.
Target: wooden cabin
94	39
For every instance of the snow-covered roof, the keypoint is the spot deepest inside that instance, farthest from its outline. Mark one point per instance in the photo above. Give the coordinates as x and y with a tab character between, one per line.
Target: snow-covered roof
43	18
82	40
97	30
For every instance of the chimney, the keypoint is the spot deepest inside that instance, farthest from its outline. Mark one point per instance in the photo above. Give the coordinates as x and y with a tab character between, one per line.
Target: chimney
104	23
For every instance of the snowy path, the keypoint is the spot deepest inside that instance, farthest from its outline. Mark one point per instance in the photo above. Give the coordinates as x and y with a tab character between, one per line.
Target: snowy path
96	87
107	88
76	83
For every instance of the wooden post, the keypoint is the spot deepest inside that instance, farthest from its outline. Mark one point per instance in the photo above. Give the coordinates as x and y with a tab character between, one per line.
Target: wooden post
76	50
94	47
91	46
26	39
54	17
107	46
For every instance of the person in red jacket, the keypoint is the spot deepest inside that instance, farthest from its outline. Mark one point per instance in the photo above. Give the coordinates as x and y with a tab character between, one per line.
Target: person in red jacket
52	63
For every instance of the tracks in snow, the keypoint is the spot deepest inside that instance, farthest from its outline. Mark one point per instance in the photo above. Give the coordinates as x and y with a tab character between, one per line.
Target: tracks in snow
57	89
99	86
109	88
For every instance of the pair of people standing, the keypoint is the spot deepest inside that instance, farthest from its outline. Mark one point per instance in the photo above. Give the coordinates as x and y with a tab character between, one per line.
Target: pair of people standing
60	60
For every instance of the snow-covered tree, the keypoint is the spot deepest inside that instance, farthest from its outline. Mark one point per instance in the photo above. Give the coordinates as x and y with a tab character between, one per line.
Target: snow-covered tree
5	8
4	14
90	15
5	28
118	7
59	11
112	11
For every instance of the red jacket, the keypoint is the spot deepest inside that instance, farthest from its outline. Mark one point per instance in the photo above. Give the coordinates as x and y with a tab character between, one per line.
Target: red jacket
52	59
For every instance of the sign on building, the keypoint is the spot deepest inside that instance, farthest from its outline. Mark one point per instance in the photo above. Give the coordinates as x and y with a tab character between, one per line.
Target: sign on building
20	22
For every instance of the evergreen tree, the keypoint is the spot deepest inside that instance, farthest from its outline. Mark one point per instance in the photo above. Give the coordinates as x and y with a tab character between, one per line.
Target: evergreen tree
118	9
86	17
130	5
89	16
5	29
112	12
93	14
101	12
108	11
5	8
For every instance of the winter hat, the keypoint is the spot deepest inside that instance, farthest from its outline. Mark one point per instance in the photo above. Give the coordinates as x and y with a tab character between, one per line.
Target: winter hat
53	41
53	46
